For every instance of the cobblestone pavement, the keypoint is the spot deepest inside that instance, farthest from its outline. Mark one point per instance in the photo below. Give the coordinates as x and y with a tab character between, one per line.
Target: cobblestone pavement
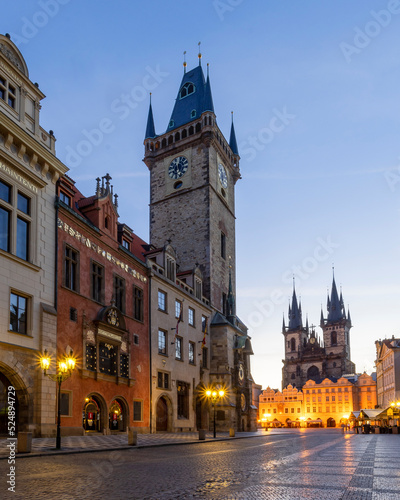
300	464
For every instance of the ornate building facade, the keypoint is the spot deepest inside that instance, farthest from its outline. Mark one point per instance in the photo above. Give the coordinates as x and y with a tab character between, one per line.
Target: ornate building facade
309	357
388	371
103	314
29	171
193	173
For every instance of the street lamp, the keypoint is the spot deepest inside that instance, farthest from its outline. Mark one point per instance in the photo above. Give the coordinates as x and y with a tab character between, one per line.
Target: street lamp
64	371
214	395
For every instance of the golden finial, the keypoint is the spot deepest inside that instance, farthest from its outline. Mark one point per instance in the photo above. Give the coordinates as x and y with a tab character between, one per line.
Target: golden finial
199	53
184	62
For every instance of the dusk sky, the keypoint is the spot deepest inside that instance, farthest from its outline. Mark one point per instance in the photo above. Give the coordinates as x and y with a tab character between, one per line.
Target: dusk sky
314	87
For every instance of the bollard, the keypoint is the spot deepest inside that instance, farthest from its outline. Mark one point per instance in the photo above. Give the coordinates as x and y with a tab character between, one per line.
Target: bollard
132	436
24	442
202	434
231	432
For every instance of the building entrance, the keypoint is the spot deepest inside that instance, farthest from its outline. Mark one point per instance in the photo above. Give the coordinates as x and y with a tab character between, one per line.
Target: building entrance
162	415
5	407
92	415
116	416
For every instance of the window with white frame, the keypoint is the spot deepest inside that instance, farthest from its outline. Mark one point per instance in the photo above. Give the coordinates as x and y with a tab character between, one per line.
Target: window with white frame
191	316
18	313
8	92
162	301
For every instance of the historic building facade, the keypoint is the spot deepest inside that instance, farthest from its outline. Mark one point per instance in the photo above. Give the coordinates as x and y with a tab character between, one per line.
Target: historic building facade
307	356
326	403
388	371
193	172
29	171
180	350
103	311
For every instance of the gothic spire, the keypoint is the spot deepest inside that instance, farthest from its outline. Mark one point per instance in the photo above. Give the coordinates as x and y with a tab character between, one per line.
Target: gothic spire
208	100
150	129
335	308
295	321
232	140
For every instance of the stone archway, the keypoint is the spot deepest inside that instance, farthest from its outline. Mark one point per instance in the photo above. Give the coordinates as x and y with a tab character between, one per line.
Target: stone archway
12	385
313	373
331	422
118	413
95	414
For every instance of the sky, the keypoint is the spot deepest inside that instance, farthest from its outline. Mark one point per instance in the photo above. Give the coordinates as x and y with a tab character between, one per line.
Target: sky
314	87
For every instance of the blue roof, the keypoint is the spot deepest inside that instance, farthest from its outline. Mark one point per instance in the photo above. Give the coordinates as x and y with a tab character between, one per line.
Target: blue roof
232	141
150	129
197	99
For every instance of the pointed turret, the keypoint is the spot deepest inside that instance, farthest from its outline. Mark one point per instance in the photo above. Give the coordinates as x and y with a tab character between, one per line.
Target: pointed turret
150	129
232	140
348	316
283	325
208	100
322	320
295	321
335	309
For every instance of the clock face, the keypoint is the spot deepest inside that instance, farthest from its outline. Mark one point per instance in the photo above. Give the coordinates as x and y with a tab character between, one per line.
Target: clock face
223	178
312	340
243	402
178	167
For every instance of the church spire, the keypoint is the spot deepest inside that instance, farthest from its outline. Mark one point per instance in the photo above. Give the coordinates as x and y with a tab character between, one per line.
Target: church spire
295	321
335	304
208	100
150	129
232	140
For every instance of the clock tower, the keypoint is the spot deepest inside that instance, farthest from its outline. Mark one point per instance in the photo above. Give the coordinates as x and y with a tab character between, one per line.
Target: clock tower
193	173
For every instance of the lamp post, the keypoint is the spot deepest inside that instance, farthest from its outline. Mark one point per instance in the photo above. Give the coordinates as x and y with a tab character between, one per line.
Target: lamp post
64	371
214	395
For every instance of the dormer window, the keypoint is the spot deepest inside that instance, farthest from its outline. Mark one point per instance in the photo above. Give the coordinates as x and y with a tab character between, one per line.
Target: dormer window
193	114
65	198
171	123
170	269
186	90
106	221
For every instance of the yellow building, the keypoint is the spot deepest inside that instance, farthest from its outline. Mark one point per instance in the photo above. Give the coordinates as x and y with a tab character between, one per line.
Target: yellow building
324	404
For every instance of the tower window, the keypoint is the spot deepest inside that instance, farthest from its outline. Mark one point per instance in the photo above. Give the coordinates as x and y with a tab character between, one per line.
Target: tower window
223	246
293	344
333	338
186	90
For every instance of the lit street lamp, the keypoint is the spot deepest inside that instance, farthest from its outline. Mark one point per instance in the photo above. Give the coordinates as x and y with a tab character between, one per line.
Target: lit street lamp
64	371
214	395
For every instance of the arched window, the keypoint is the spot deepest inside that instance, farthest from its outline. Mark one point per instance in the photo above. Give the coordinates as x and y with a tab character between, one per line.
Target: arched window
313	373
333	338
293	344
186	90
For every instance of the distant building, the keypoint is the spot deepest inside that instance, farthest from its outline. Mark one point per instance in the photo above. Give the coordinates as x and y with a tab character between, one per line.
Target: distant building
323	403
307	356
103	314
388	371
29	171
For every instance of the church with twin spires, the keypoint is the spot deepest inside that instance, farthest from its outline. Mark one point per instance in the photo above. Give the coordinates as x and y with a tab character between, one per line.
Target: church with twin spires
307	355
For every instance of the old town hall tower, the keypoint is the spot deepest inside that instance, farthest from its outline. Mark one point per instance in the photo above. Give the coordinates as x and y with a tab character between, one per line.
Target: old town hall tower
193	172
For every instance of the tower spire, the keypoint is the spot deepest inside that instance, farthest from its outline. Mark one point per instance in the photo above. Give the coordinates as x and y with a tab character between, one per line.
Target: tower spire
184	62
199	55
232	139
150	129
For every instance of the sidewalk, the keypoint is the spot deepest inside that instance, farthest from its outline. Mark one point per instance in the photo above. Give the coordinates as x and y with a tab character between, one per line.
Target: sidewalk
88	443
